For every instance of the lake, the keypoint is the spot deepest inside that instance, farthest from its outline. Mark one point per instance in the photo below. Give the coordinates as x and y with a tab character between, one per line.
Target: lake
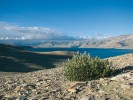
100	52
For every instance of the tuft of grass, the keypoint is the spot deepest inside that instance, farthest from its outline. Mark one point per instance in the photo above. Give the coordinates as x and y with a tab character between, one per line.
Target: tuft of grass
83	67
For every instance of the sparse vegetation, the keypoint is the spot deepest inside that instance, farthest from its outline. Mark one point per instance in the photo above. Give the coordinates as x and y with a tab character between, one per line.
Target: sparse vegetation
83	67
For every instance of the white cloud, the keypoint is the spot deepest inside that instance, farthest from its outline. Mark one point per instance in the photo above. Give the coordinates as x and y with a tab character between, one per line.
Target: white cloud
9	31
96	37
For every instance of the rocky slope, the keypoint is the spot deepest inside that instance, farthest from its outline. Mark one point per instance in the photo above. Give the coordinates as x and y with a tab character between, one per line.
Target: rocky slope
123	41
50	84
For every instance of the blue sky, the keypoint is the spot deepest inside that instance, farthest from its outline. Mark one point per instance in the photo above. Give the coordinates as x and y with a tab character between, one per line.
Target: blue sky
73	17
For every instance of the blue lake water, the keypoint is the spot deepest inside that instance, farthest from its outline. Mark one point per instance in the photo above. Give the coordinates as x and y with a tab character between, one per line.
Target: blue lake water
102	53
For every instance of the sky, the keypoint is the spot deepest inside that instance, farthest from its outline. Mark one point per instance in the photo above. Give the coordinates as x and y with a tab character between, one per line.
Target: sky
68	17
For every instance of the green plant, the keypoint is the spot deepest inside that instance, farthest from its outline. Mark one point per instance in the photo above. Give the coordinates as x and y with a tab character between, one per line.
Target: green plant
83	67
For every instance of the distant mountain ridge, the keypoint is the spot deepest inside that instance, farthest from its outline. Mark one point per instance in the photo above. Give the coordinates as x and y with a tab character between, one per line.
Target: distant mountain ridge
122	42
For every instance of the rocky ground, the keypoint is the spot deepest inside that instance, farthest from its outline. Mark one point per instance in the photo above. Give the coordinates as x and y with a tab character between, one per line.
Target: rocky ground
50	84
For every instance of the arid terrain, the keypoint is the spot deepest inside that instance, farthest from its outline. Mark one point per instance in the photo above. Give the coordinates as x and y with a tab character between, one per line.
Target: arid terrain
50	84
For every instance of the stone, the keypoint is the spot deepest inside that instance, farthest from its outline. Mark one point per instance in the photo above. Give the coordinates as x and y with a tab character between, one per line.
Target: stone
1	96
88	97
8	97
34	90
38	83
67	97
72	90
24	85
48	80
123	86
33	86
113	79
22	98
44	98
18	88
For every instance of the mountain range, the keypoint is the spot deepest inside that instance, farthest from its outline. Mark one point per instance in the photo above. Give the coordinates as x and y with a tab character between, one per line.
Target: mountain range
121	42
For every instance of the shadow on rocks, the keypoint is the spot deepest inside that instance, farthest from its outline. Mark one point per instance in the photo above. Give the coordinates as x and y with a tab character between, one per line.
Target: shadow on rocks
123	70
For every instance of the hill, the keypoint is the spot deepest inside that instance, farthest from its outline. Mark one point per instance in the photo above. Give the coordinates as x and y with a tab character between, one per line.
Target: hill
14	59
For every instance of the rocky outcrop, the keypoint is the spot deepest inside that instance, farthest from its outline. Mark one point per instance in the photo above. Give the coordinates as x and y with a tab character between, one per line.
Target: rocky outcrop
50	84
